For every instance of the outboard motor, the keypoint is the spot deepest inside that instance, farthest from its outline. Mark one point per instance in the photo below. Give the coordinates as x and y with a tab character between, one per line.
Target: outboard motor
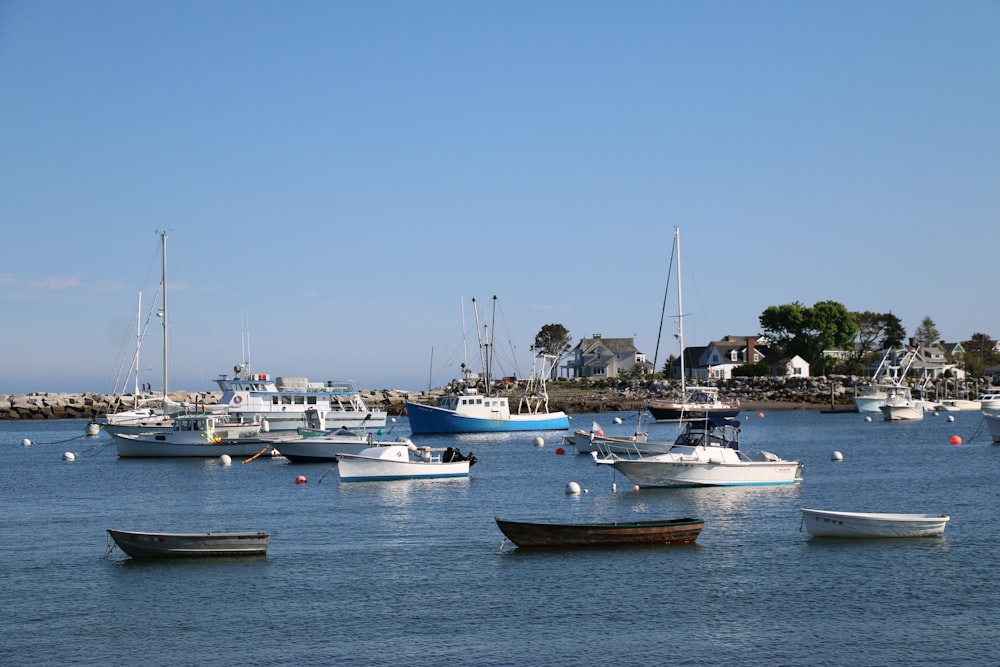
452	454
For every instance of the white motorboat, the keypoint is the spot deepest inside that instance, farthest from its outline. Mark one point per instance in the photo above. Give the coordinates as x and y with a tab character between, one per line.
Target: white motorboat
953	404
707	454
825	523
325	448
195	435
992	420
139	544
900	405
989	401
403	461
286	403
870	399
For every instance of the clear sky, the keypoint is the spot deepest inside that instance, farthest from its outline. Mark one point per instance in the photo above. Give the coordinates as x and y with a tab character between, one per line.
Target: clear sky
339	179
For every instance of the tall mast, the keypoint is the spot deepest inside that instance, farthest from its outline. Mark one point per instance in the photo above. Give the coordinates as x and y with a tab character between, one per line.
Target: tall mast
138	342
163	312
680	305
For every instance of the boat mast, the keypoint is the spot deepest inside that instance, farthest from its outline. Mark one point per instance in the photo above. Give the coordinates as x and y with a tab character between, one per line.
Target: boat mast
138	342
163	311
680	306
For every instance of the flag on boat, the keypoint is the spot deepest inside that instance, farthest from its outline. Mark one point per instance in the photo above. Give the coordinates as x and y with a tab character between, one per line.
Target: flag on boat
596	429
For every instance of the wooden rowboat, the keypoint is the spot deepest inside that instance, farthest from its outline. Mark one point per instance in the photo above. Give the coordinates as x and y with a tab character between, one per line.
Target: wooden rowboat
190	545
669	531
826	523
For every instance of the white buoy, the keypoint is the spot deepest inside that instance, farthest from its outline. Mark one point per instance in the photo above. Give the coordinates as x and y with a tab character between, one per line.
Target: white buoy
836	456
951	418
572	488
393	420
868	419
265	426
26	442
614	487
225	460
617	420
93	428
539	441
69	456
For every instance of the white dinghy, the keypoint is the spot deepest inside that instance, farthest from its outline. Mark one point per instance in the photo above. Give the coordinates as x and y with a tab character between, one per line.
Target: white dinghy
825	523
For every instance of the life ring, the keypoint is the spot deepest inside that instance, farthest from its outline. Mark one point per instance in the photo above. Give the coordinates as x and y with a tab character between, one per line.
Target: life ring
238	400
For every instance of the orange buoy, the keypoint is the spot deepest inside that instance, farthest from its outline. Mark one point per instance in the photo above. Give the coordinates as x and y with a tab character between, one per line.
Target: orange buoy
955	440
301	479
560	451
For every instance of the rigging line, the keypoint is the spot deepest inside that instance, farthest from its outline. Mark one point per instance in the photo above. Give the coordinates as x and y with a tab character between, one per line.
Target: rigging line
663	309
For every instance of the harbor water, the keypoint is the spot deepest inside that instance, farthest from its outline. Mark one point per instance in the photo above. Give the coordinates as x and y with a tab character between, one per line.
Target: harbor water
417	573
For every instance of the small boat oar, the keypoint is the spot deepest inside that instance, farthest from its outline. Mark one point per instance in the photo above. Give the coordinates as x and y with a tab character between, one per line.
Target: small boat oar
266	447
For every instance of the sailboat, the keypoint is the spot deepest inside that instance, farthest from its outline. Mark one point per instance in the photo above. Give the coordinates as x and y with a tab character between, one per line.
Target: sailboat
469	411
696	402
159	413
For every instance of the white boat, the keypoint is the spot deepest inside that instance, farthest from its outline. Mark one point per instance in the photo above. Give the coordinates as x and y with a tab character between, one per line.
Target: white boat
870	399
289	403
326	448
952	404
403	461
825	523
139	544
471	408
892	368
989	400
707	453
696	402
992	420
195	435
595	440
900	406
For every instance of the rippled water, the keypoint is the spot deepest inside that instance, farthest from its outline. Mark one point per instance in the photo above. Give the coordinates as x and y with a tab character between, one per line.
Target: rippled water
412	572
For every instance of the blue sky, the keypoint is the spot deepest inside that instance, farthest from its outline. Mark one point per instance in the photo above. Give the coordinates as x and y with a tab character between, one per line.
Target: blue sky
339	179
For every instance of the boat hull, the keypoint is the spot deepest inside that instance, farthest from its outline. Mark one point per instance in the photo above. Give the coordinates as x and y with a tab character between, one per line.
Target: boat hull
679	474
678	413
190	545
632	533
993	424
130	446
824	523
431	419
321	449
393	462
902	412
868	404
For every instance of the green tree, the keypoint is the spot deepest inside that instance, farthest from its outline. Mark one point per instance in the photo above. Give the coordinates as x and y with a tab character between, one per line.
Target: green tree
878	331
795	329
927	332
553	339
980	353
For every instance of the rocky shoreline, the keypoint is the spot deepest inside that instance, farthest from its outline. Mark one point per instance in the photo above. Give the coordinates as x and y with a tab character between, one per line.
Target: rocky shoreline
572	396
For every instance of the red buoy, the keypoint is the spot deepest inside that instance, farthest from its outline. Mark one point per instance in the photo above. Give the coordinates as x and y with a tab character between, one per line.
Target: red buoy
955	440
560	451
301	479
760	415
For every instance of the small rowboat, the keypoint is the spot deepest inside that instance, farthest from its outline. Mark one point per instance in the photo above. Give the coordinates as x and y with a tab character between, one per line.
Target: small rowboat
669	531
190	545
824	523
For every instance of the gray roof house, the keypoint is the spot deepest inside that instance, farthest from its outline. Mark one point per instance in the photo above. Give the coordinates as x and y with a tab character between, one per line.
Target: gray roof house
600	357
718	359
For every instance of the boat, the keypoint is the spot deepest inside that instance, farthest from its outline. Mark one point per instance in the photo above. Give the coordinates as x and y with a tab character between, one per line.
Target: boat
825	523
707	453
595	440
147	412
403	461
695	402
900	406
195	435
989	400
326	447
289	403
190	545
473	406
625	533
956	404
992	420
